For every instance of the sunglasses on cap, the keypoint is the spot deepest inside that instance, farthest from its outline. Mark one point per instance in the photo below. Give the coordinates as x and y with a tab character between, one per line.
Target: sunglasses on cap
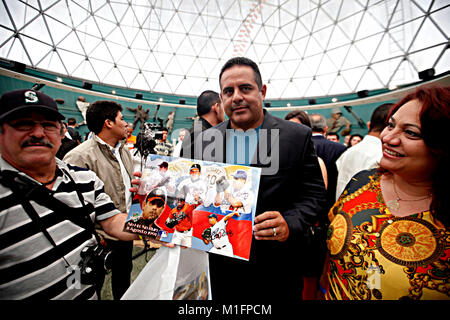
158	201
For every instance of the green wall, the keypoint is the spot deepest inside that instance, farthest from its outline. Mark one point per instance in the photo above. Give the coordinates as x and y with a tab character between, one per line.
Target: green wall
69	108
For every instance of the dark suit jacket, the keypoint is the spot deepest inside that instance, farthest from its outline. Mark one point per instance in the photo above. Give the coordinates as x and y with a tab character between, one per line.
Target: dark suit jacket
187	147
296	190
329	151
74	134
66	145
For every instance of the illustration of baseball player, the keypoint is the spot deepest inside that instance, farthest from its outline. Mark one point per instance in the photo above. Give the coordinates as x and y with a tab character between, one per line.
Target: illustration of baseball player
181	219
157	179
211	174
194	188
152	207
235	197
217	234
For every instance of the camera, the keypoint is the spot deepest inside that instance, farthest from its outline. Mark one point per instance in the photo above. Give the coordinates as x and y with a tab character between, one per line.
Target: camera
96	261
146	139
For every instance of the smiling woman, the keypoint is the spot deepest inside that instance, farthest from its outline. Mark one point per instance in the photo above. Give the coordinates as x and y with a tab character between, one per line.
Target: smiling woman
415	148
389	237
405	153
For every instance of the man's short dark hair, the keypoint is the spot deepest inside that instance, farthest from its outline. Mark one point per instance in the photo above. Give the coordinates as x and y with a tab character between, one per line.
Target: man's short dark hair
300	115
333	134
71	121
206	100
100	111
378	120
242	61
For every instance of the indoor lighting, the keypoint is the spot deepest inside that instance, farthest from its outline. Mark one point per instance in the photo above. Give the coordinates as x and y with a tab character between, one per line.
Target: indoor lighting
392	87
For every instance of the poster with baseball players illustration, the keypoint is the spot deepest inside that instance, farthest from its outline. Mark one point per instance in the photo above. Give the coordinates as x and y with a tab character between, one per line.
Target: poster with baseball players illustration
203	205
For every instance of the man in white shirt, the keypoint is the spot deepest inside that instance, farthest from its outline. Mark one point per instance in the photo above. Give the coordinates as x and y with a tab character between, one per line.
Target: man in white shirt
194	188
177	149
237	196
157	178
107	155
364	155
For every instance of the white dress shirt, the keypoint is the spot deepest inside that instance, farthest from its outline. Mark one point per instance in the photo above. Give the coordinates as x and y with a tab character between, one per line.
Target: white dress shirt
362	156
125	178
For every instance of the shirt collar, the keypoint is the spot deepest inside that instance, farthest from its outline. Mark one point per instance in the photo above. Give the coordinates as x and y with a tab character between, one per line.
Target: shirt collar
113	149
4	165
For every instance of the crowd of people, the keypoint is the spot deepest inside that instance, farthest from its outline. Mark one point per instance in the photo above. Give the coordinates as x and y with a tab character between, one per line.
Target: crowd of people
364	220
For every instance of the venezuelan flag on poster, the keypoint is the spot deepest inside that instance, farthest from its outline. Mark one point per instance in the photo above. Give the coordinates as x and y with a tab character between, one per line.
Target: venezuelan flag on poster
239	229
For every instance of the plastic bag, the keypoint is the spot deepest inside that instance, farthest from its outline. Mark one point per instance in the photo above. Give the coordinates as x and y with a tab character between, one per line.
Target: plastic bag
173	274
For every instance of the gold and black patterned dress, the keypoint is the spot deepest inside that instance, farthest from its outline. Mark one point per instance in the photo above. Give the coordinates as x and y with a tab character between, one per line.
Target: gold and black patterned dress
375	255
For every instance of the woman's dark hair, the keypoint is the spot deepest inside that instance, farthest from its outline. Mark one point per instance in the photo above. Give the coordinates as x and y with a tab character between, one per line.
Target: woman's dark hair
435	121
349	143
100	111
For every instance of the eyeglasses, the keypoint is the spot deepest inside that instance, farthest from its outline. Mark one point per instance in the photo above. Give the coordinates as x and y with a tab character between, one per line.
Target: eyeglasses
28	125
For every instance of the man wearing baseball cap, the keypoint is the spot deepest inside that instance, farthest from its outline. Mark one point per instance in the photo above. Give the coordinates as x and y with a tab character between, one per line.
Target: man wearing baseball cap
19	101
338	122
41	196
20	112
240	174
236	197
194	187
218	235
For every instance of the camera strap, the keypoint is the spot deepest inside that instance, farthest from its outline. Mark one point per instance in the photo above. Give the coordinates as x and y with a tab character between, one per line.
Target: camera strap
9	179
43	196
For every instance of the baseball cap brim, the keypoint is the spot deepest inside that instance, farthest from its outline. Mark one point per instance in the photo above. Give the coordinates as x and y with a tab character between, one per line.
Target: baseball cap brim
36	108
16	102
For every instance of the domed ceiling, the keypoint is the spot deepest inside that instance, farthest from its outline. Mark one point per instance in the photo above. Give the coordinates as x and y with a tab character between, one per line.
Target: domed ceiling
303	48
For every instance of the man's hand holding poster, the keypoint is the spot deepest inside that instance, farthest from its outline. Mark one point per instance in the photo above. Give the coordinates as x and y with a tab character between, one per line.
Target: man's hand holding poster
203	205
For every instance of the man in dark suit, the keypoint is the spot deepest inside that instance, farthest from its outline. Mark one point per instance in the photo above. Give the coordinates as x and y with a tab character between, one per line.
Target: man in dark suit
209	109
291	189
71	128
211	113
329	151
67	143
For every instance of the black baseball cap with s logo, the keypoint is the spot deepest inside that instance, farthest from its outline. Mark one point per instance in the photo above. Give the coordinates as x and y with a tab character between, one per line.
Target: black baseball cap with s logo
13	103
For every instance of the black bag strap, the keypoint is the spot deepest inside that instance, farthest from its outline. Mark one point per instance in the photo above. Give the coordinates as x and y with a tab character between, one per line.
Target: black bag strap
43	196
5	179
